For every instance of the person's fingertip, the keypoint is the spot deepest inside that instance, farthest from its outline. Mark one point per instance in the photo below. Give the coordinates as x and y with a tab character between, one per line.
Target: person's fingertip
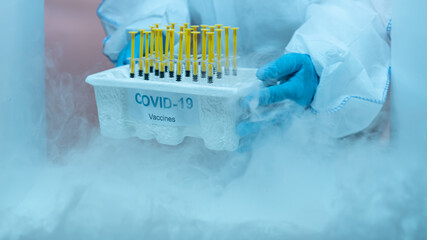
264	97
244	104
260	73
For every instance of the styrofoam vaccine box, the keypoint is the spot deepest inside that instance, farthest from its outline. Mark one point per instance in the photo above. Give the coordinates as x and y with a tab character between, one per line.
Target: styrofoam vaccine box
167	110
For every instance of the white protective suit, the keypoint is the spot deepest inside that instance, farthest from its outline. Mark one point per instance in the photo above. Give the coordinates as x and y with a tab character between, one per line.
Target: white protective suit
346	39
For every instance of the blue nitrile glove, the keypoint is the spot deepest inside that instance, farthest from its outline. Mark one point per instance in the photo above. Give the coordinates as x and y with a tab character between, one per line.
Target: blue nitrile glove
293	77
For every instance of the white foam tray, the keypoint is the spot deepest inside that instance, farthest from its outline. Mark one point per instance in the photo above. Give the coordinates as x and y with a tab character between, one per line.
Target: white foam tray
217	107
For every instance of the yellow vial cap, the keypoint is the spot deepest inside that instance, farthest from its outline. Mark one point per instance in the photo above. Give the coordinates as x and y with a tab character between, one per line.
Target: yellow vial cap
194	27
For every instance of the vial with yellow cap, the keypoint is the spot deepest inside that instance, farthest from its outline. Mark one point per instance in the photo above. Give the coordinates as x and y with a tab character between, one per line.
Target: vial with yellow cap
211	56
180	52
187	52
161	56
157	52
204	50
132	55
212	30
195	63
235	50
171	33
152	34
227	50
146	36
141	51
218	53
167	48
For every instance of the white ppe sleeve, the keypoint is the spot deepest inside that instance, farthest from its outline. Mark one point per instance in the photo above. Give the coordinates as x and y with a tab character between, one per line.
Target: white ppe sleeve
120	17
348	43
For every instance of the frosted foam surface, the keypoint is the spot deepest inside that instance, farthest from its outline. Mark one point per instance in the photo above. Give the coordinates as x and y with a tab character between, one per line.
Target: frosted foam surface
217	108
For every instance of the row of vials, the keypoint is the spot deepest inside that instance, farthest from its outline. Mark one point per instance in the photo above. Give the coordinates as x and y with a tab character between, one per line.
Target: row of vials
159	58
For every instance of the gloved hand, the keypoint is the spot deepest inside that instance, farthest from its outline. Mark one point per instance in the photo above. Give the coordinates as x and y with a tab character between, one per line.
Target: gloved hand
292	76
